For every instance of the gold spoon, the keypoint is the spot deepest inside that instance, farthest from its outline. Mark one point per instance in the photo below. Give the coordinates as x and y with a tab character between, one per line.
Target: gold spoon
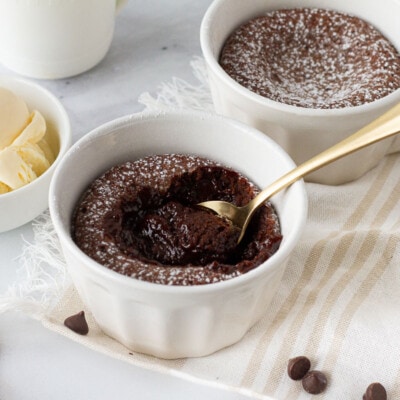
386	125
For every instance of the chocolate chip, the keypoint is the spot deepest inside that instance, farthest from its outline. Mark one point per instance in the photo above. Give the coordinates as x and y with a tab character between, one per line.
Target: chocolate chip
77	323
314	382
375	391
298	367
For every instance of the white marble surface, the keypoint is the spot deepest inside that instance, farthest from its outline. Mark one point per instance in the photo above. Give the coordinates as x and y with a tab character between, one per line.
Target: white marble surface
154	41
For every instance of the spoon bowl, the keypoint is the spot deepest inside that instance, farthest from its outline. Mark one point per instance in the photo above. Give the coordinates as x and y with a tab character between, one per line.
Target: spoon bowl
383	127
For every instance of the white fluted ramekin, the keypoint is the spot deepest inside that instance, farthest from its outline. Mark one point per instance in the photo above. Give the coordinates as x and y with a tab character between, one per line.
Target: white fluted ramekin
172	321
302	132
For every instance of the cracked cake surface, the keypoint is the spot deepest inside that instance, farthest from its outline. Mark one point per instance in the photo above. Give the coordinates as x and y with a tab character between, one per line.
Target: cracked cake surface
140	219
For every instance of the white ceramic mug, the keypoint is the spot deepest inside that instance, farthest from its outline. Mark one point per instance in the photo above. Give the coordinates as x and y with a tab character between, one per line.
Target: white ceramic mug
51	39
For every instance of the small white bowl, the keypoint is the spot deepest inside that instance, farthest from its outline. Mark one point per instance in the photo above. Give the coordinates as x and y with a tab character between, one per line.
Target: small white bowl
302	132
175	321
24	204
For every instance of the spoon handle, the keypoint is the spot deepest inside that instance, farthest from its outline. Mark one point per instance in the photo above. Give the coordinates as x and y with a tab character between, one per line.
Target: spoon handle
385	126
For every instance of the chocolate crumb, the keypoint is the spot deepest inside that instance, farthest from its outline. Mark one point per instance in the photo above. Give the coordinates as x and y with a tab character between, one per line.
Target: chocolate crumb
298	367
77	323
314	382
375	391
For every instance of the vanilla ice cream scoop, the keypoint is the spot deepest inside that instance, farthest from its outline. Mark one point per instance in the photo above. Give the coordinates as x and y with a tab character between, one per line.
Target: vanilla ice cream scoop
14	171
24	153
14	116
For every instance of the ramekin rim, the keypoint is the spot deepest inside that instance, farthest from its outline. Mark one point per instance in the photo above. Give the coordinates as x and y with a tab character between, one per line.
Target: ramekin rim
214	65
98	269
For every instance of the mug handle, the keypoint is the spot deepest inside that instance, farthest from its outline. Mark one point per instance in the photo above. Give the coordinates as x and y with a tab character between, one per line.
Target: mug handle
119	5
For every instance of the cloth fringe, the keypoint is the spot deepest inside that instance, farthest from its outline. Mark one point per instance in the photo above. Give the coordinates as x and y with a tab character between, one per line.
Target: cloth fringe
43	274
179	94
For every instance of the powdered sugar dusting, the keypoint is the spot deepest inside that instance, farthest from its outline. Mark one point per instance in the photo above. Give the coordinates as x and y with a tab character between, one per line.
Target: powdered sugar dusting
103	199
312	58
